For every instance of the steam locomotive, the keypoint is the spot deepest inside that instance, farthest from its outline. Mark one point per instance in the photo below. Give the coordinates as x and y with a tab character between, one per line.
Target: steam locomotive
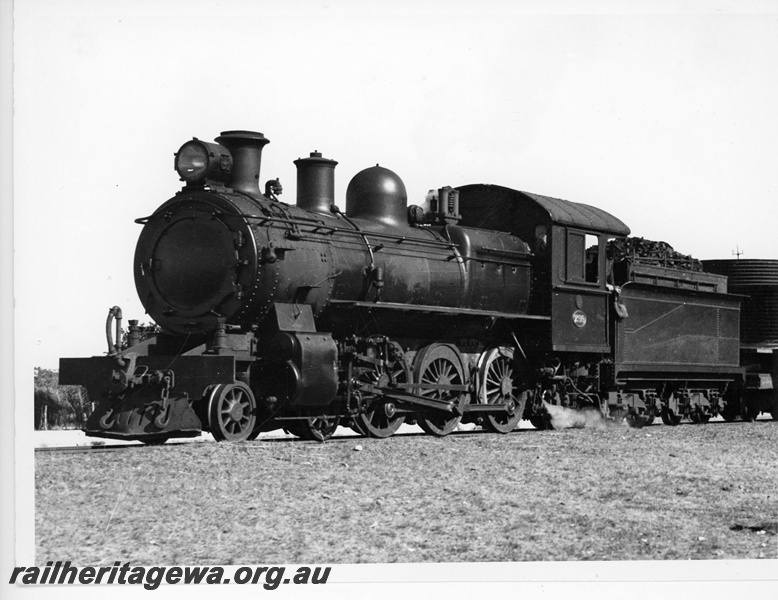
482	304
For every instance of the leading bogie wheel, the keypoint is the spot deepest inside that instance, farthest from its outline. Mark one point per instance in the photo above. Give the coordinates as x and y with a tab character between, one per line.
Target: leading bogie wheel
356	426
496	386
439	364
232	412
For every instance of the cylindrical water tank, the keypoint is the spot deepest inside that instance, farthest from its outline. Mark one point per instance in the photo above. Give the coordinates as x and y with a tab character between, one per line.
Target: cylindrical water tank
757	279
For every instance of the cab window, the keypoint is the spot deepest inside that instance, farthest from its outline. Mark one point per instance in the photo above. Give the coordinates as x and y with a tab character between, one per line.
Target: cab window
583	257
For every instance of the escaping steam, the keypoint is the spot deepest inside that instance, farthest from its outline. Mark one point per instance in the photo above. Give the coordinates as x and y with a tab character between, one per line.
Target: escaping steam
568	418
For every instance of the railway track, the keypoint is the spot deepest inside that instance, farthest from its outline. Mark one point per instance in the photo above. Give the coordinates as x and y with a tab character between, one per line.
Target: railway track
97	449
84	449
343	438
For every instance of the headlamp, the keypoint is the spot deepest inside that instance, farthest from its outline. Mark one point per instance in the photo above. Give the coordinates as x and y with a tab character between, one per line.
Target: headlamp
197	161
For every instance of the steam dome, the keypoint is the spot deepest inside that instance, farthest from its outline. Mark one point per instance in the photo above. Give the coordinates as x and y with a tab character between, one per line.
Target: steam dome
378	194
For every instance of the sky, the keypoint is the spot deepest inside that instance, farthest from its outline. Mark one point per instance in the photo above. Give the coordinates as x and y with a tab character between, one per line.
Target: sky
661	113
665	118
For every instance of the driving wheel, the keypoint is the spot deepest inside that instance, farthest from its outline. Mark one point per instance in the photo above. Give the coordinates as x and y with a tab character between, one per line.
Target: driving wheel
439	365
496	386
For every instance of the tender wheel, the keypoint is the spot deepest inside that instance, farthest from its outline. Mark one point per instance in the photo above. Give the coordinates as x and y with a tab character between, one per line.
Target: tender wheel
637	421
496	386
669	417
232	412
380	419
730	411
749	413
439	364
319	428
698	417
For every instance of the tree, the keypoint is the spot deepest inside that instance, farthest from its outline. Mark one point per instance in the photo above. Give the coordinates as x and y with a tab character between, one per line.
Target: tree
60	406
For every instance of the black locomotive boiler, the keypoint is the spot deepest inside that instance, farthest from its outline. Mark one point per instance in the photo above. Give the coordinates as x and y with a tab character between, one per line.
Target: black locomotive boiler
484	304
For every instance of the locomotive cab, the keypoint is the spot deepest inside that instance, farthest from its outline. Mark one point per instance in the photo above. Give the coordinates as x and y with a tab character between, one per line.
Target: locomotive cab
570	264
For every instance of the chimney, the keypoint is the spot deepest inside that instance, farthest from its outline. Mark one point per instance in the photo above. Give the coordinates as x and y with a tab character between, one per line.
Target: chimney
246	149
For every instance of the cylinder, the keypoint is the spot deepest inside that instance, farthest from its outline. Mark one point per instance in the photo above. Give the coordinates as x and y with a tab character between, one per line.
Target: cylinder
315	183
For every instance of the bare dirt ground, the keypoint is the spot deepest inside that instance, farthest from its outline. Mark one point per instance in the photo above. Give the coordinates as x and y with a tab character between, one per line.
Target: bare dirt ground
598	493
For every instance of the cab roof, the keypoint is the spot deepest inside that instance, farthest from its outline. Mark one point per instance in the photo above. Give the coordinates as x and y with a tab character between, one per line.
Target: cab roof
497	207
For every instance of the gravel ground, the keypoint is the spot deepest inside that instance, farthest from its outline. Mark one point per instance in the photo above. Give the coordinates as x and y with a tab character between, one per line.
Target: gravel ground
597	493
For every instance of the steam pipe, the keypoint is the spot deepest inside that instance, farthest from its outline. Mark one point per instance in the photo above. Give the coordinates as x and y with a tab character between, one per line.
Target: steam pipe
113	349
